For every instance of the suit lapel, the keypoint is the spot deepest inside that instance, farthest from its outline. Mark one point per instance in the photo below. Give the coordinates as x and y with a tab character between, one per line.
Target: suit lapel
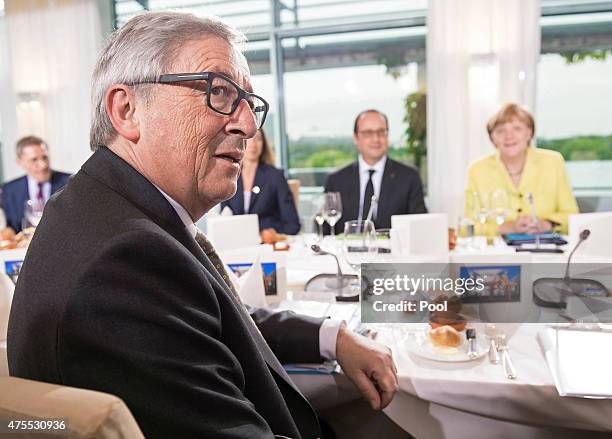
386	188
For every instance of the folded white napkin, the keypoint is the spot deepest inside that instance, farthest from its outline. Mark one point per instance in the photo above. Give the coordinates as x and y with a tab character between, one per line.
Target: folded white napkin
250	285
579	361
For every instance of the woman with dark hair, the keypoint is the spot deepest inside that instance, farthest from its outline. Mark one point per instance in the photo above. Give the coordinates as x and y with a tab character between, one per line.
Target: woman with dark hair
263	189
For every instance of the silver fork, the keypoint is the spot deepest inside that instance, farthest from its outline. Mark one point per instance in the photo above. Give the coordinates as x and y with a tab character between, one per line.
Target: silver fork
502	347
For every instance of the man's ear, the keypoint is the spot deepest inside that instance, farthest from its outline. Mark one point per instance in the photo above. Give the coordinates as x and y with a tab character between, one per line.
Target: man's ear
120	105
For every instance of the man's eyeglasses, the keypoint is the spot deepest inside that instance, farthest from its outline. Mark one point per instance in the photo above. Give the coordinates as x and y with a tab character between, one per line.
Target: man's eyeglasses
369	134
222	94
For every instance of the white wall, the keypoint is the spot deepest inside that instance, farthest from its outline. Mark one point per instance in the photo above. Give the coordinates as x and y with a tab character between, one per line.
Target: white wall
51	49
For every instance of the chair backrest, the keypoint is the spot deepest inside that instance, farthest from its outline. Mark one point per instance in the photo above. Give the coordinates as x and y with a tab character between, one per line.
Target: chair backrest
294	186
86	413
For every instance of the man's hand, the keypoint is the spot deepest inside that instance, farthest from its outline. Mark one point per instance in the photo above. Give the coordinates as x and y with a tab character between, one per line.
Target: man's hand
369	365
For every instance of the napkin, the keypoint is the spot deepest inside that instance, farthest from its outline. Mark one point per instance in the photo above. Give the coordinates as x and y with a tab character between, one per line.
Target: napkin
250	285
579	361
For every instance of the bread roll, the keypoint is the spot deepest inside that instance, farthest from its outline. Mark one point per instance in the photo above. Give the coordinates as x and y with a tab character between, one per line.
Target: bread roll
445	336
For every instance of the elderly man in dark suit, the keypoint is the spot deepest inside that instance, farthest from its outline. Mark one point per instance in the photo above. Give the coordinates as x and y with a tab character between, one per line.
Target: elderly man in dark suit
120	292
397	187
39	183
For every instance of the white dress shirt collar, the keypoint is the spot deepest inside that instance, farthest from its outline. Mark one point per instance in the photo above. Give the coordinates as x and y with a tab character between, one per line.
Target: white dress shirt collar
182	213
379	166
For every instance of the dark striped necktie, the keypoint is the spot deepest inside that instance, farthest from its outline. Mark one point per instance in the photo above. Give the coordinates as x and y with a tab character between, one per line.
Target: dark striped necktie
212	254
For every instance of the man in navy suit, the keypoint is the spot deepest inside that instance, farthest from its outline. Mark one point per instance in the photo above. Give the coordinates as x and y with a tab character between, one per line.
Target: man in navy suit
39	183
397	187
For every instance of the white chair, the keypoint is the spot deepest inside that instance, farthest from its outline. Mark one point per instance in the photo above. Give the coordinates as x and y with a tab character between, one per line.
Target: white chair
87	414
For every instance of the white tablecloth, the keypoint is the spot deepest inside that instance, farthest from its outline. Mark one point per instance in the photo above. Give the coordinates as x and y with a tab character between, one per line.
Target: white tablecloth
472	399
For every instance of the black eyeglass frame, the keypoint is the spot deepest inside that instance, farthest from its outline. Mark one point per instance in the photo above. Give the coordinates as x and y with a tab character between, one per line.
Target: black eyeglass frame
171	78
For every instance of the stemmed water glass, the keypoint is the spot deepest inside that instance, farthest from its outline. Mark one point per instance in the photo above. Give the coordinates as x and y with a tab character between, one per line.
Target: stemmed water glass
319	220
32	215
332	209
481	209
500	206
359	246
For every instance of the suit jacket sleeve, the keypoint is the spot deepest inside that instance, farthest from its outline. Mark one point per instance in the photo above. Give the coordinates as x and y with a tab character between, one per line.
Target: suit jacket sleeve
302	346
10	209
416	200
149	329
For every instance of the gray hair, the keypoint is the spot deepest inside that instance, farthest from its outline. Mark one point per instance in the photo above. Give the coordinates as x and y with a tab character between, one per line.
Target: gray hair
141	50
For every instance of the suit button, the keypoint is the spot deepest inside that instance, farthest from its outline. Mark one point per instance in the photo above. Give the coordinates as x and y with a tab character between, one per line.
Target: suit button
519	210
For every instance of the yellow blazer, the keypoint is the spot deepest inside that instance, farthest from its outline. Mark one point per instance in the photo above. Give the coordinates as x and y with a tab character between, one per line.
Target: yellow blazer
543	175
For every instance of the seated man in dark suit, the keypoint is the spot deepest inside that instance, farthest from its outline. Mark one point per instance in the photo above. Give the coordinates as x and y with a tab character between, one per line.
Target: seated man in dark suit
134	300
397	187
39	183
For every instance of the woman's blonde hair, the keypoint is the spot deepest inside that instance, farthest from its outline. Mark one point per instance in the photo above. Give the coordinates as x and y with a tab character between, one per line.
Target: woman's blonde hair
508	113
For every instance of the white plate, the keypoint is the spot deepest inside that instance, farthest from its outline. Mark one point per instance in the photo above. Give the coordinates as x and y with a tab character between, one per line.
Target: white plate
420	345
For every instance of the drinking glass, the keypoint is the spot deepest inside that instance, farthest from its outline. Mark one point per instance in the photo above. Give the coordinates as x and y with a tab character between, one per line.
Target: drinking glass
500	206
32	213
319	220
332	209
481	209
359	246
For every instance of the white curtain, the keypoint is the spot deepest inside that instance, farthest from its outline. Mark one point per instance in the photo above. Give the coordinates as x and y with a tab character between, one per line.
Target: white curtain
480	54
53	46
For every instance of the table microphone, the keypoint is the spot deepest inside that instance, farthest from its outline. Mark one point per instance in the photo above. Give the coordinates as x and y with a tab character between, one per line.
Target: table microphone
339	277
582	237
553	292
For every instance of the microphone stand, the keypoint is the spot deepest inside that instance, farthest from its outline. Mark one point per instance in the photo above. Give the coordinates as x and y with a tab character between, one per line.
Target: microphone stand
582	237
339	276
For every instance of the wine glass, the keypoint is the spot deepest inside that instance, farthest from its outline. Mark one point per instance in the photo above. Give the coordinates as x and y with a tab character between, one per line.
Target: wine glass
319	220
32	214
481	209
332	209
359	246
500	206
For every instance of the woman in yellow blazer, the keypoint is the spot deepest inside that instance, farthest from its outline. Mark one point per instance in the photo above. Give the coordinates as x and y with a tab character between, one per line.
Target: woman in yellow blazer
520	169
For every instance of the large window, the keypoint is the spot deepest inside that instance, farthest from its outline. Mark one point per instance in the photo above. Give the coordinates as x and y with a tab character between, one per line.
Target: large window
320	117
574	99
